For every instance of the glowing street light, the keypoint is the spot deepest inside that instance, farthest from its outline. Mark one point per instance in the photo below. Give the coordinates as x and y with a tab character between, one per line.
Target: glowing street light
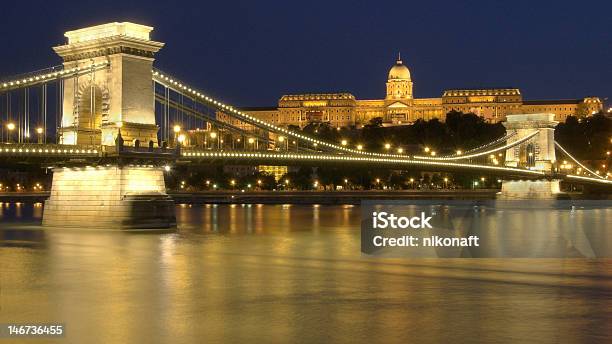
344	142
387	146
39	131
433	153
213	135
10	126
400	150
177	128
359	147
181	138
459	152
427	149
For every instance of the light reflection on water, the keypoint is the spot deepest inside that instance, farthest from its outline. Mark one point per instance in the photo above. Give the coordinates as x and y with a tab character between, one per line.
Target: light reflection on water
279	273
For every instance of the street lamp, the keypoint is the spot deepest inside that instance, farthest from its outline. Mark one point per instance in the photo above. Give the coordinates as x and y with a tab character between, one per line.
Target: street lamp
344	142
426	149
10	126
387	146
359	147
39	131
459	152
177	130
400	150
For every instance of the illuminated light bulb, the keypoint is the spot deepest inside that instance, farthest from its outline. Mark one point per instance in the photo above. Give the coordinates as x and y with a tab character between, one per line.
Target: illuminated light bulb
459	152
400	150
213	135
181	138
167	168
10	126
344	142
387	146
251	140
359	147
281	139
177	128
426	149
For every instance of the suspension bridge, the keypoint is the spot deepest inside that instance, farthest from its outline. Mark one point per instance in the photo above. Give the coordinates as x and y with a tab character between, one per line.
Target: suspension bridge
108	123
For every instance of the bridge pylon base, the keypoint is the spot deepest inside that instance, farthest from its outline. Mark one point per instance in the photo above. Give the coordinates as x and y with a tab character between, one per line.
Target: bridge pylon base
531	189
109	197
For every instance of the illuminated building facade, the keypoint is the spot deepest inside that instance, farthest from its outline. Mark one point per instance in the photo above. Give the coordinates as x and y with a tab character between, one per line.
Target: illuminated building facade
400	107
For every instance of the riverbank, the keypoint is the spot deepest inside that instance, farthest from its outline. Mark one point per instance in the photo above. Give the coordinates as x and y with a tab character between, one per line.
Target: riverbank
303	197
284	197
329	197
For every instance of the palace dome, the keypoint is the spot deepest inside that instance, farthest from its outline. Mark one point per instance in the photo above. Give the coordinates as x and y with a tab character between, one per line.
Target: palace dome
399	71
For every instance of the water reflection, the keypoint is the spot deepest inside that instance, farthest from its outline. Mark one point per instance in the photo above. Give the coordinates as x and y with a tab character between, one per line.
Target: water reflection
279	273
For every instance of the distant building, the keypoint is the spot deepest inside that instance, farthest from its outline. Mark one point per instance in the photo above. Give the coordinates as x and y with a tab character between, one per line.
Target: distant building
400	107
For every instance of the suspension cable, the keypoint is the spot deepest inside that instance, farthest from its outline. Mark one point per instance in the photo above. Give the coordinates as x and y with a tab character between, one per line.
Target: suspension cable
576	161
462	157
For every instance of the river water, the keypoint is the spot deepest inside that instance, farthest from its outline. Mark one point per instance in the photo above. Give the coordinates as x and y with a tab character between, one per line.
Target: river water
284	274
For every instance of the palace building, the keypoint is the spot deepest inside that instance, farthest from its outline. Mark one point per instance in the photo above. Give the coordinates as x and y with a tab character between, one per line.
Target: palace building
400	107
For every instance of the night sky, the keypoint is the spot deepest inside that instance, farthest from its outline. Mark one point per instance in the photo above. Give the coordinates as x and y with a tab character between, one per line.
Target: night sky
249	53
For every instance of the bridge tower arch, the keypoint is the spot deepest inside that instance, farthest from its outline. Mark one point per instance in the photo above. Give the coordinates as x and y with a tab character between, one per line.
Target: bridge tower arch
126	101
536	153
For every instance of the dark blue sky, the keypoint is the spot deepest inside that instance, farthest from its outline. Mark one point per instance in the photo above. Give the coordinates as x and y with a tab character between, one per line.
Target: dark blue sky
249	53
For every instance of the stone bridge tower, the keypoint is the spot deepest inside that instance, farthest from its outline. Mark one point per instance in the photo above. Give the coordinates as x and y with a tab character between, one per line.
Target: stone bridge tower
537	153
96	104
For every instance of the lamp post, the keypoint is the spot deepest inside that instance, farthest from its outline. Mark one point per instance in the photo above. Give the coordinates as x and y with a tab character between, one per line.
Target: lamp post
177	130
213	137
10	127
39	131
281	139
